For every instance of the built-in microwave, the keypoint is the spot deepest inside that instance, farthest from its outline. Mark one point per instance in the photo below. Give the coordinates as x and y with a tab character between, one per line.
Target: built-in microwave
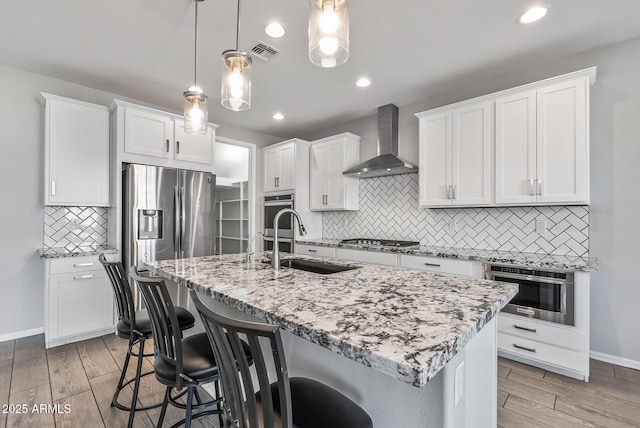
544	293
273	204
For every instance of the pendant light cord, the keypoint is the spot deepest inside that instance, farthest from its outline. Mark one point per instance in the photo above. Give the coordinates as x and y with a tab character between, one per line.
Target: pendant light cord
195	65
238	25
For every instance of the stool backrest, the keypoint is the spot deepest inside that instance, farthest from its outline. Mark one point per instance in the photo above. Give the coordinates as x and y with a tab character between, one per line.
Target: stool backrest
167	334
121	291
234	367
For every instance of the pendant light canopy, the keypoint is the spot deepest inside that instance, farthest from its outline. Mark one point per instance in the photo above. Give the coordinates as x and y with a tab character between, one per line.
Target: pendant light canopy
195	101
328	32
235	90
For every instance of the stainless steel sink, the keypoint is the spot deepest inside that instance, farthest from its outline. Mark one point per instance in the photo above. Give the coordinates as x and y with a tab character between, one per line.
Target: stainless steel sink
315	267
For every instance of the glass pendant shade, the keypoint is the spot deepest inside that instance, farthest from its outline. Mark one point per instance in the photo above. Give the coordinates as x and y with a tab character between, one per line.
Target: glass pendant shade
195	111
236	80
329	32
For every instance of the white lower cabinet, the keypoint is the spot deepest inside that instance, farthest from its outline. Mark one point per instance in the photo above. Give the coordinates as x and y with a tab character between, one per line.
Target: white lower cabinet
315	250
438	264
78	300
380	258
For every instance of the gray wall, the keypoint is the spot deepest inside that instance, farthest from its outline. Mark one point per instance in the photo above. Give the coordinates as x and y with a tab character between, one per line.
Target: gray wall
615	175
21	173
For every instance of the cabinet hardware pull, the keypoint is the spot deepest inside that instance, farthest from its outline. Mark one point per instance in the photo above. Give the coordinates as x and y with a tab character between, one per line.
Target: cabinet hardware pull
324	200
532	186
532	330
455	188
277	181
53	187
84	277
449	191
83	264
312	251
524	348
166	145
178	147
432	264
540	186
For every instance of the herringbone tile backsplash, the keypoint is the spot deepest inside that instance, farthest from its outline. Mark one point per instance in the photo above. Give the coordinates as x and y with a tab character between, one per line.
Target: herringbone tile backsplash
389	210
74	227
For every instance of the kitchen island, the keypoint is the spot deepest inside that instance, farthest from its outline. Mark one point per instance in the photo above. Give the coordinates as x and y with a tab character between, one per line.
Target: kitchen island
395	340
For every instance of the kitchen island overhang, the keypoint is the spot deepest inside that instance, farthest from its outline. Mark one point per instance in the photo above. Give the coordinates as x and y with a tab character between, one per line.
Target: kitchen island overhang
405	323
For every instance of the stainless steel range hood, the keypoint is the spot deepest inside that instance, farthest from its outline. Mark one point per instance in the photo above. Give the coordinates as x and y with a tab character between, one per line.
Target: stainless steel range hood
387	162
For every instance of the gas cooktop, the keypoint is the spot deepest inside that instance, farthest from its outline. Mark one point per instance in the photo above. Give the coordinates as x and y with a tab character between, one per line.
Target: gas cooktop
380	242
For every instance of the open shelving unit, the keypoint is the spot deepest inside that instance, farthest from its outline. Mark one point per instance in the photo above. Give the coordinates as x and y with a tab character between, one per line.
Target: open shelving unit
232	216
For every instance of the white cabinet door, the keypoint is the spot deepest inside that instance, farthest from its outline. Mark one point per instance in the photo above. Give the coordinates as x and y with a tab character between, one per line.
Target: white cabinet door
562	149
193	148
77	153
435	148
147	133
279	167
317	165
472	163
334	180
516	148
287	176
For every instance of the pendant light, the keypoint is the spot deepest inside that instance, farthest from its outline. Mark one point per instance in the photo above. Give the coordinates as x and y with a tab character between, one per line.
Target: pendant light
236	76
328	32
195	101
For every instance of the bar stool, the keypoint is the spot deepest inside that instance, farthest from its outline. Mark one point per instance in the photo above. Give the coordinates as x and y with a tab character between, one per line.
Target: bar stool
288	402
136	327
179	362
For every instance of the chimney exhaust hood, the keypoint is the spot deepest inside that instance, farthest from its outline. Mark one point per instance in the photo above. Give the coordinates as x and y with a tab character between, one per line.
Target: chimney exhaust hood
387	162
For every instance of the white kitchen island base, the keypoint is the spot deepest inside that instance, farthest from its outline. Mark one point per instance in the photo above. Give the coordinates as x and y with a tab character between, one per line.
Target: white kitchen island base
390	402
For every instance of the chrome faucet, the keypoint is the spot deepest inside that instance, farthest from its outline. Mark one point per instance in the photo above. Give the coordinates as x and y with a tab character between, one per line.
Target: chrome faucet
275	256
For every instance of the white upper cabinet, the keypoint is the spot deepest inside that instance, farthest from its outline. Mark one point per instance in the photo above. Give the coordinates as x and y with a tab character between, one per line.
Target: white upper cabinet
279	167
193	148
147	133
329	189
455	156
542	145
523	146
76	152
153	137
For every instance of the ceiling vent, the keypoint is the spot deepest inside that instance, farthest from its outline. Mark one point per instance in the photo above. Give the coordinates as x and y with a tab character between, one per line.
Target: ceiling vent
263	51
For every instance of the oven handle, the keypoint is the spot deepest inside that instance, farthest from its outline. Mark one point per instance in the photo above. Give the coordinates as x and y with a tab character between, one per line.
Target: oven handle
492	275
279	203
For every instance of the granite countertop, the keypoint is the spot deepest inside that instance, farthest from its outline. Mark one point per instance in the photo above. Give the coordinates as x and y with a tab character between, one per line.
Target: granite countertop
61	252
551	261
406	323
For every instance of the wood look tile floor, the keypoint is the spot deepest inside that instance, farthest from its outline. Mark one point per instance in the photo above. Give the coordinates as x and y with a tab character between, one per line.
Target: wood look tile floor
81	375
84	375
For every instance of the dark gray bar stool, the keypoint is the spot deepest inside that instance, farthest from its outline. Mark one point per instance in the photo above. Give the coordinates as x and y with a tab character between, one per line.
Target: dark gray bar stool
136	327
286	403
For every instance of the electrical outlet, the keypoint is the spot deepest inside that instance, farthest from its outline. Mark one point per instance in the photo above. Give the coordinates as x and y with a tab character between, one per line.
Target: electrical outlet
73	224
541	227
453	225
458	384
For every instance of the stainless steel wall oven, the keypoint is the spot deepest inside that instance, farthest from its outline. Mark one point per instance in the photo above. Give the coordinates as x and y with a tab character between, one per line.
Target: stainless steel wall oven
544	294
273	204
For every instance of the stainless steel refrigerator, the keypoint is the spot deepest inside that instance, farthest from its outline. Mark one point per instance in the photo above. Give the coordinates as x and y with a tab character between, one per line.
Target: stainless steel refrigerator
168	214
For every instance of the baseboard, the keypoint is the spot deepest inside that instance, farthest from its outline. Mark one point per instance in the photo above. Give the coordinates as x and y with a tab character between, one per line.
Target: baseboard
615	360
21	334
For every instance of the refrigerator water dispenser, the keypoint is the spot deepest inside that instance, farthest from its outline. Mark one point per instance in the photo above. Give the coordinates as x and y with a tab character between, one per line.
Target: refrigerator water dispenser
149	224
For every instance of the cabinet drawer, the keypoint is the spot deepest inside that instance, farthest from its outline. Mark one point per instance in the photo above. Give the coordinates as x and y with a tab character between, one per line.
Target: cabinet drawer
565	337
437	264
74	264
542	352
314	250
388	259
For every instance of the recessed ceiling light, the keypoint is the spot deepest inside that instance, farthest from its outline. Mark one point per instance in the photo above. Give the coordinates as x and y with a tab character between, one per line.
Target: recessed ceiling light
278	116
532	15
275	30
363	82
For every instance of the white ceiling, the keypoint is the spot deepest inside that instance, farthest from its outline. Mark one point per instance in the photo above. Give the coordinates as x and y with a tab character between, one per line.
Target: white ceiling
410	49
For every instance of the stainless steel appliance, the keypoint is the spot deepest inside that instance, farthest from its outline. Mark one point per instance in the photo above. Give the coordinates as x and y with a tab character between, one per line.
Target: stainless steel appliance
381	242
168	214
544	293
273	204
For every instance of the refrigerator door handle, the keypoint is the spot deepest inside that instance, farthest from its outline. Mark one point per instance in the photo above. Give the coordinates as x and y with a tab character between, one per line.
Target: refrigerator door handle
182	221
177	203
